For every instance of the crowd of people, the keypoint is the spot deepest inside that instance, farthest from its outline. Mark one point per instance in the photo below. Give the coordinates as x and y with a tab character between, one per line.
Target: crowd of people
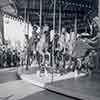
51	48
9	57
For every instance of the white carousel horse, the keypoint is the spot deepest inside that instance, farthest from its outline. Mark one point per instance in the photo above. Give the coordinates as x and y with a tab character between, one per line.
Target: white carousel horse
42	50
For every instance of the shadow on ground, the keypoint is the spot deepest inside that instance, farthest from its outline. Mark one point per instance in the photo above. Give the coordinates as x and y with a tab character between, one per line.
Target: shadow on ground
46	95
88	85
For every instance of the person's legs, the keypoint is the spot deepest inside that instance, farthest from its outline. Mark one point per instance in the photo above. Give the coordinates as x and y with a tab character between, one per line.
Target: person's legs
27	62
22	61
38	60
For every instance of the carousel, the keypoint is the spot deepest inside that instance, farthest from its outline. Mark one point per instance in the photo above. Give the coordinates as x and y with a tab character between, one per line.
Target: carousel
65	34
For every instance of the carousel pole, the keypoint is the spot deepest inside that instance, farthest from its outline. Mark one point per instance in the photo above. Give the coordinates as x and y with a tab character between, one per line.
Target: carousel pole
54	23
40	16
97	62
28	23
25	31
60	18
75	32
28	39
28	6
25	19
54	15
40	24
99	8
75	27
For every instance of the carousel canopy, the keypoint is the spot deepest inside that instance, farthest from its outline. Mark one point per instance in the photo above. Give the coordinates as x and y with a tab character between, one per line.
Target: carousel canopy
8	6
70	9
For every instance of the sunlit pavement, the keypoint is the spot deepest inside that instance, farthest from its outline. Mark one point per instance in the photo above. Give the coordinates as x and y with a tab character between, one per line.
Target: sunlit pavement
13	89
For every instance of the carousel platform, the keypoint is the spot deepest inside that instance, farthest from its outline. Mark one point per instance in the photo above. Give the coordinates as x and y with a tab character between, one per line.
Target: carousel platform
79	86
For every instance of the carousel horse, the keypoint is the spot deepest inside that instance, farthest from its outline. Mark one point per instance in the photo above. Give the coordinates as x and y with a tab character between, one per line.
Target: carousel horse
32	44
43	56
46	60
40	45
59	54
91	42
89	62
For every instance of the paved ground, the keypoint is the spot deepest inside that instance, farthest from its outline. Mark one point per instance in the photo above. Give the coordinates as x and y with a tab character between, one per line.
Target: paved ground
13	89
86	87
7	75
89	85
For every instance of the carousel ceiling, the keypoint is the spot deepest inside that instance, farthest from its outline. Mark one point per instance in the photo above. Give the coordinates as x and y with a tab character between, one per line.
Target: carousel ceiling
69	9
